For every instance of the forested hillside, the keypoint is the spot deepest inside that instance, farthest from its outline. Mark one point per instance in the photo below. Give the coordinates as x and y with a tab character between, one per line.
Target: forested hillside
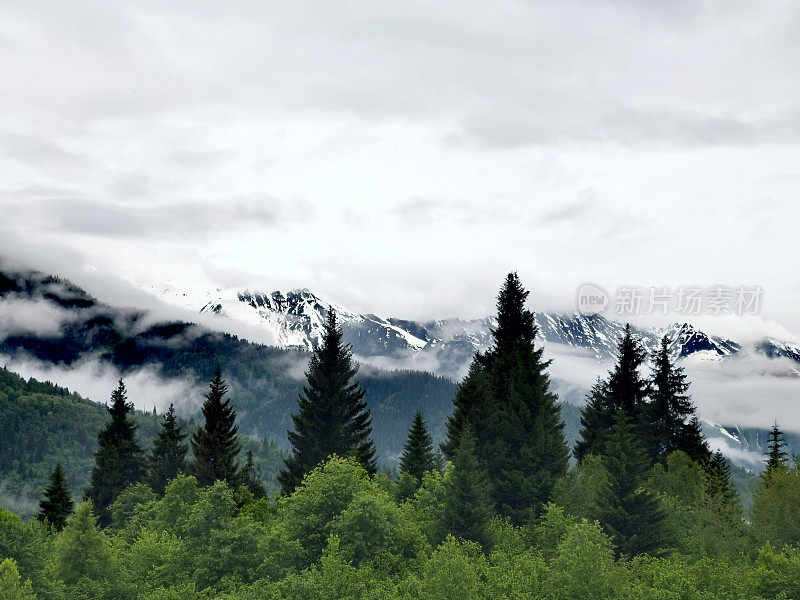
42	424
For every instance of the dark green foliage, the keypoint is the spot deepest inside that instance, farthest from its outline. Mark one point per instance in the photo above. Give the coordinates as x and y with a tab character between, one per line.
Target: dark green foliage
776	455
250	477
168	456
718	478
418	458
630	514
624	390
468	500
506	397
119	460
332	417
670	414
57	504
215	445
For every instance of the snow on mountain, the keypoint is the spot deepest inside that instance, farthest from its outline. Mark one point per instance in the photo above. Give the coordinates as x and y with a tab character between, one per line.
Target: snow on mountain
296	318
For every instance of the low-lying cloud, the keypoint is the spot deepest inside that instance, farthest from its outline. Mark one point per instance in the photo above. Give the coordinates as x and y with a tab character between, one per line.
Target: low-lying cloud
95	380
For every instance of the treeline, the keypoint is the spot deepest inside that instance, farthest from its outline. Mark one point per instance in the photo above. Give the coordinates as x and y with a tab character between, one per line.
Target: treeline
648	512
42	424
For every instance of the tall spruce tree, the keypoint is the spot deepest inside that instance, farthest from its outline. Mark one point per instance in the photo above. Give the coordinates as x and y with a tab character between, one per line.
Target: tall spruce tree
468	493
776	455
418	457
517	421
670	414
215	445
630	514
57	504
119	460
332	417
718	479
624	390
168	456
250	477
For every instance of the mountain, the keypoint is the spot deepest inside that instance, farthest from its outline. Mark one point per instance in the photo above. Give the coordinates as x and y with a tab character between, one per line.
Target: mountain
45	320
49	321
294	319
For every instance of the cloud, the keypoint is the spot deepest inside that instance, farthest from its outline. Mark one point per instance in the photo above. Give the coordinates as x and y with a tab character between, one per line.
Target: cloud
38	317
95	380
185	219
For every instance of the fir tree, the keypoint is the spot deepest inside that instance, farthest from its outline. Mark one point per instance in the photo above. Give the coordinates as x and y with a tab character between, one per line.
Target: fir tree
517	422
718	479
119	460
418	458
623	391
332	417
670	415
631	515
57	505
168	457
468	494
215	445
776	455
251	478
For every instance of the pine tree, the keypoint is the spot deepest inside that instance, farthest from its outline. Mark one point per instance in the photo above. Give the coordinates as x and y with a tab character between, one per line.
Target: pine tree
776	455
168	457
624	390
57	505
718	479
119	460
631	515
516	418
468	494
418	458
670	415
215	445
332	417
251	478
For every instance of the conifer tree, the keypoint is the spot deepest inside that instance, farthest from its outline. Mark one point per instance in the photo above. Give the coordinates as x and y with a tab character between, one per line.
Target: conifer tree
215	445
624	390
418	458
718	479
468	494
57	504
332	417
506	397
776	455
251	478
670	414
631	515
119	460
168	457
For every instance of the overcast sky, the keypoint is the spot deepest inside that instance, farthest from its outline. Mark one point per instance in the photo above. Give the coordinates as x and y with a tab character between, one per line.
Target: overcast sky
401	157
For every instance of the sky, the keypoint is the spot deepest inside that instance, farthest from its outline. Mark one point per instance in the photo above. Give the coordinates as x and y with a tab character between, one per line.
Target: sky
400	158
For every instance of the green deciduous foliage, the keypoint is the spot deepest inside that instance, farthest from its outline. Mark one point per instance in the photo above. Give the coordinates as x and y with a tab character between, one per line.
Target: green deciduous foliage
81	550
57	504
775	515
332	417
215	445
12	587
119	460
168	456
